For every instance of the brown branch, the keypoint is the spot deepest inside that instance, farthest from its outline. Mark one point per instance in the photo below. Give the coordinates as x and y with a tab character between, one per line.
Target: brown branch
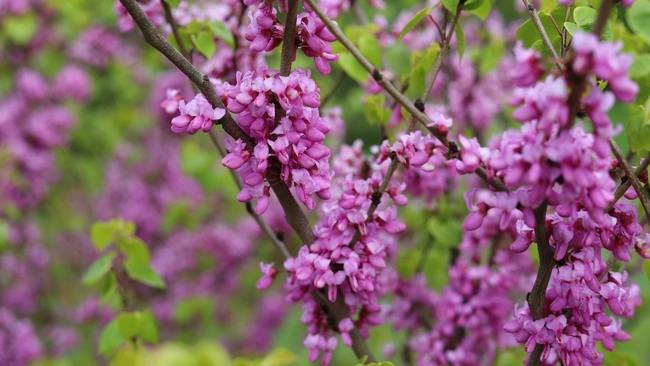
537	297
534	16
216	141
288	43
631	176
293	212
170	19
337	82
623	187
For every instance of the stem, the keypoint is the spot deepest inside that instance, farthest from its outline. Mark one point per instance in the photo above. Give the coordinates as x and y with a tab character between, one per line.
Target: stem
337	82
170	19
564	37
631	176
537	297
216	140
623	187
534	16
288	43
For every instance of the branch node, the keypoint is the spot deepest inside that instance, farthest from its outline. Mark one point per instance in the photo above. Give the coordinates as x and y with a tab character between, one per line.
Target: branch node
419	104
377	75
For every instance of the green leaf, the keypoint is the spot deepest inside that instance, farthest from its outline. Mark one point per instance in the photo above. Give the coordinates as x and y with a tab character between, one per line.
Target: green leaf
4	235
421	63
129	324
20	29
375	109
135	248
222	32
173	3
473	4
98	269
141	271
110	338
450	5
641	66
369	47
585	18
572	28
102	234
528	33
279	357
638	130
446	233
638	18
460	41
149	329
209	353
619	358
204	42
131	355
417	18
646	268
483	10
110	286
352	67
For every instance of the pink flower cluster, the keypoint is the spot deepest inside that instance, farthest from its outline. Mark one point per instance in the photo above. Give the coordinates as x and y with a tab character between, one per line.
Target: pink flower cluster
290	135
340	263
196	115
265	33
580	290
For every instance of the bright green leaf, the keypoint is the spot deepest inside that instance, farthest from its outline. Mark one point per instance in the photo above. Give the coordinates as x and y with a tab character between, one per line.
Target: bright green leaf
149	329
131	355
204	42
222	32
102	234
129	324
110	286
279	357
98	269
141	271
585	18
473	4
20	29
369	47
638	18
110	338
136	249
447	233
646	268
638	130
641	66
417	18
572	28
209	353
375	109
352	67
450	5
173	3
483	10
460	41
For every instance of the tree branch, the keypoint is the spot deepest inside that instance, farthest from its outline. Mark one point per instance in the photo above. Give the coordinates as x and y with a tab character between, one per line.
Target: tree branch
172	23
534	16
289	40
293	212
631	176
537	297
390	88
623	187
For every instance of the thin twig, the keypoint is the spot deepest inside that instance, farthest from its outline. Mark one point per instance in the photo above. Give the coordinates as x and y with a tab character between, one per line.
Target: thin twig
623	187
534	16
216	140
328	96
631	176
564	37
170	19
